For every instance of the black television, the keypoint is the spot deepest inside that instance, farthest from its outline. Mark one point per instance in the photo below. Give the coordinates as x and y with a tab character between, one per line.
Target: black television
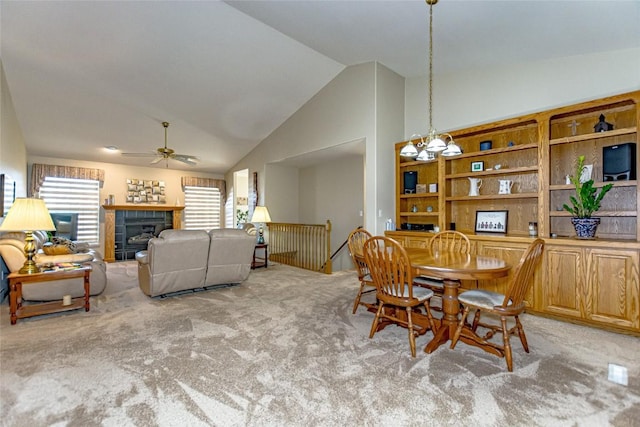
66	225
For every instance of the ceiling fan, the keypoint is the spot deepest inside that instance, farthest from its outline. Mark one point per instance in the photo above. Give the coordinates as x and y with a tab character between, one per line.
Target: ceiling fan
165	153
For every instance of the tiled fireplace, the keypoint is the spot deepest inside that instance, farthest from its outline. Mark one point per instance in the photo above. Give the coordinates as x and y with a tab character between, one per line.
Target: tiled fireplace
129	227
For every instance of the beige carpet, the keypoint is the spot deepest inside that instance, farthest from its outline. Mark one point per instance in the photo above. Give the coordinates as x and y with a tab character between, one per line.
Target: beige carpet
283	349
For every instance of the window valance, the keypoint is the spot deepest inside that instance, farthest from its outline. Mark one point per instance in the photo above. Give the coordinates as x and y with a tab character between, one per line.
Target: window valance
193	181
40	171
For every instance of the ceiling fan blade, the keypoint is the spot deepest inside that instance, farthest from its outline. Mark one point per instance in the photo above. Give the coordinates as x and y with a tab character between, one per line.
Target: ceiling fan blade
185	158
157	160
149	154
166	153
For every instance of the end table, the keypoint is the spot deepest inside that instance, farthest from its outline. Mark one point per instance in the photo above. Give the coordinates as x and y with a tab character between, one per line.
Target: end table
17	280
263	261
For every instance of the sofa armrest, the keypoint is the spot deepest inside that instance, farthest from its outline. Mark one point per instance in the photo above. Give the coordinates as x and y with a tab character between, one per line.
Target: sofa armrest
142	257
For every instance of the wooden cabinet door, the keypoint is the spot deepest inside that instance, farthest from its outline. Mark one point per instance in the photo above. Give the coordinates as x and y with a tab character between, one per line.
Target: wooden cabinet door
612	290
562	286
511	253
416	242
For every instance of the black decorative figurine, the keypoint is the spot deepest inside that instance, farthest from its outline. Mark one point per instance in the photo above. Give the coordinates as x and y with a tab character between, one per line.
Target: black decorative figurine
602	126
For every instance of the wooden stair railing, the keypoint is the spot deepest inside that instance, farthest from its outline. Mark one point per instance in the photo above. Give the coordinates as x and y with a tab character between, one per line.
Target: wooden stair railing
305	246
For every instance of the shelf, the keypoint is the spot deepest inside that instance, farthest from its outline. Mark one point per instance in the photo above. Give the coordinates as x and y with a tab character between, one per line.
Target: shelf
494	151
594	135
418	195
507	171
598	214
631	183
404	164
544	153
419	214
494	197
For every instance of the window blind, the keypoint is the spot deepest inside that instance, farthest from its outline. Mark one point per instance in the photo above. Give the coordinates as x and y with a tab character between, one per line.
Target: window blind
81	196
201	208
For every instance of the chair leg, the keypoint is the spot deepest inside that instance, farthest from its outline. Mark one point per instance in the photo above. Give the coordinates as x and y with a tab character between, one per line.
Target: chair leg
476	320
523	337
376	320
456	335
432	324
507	344
412	337
357	301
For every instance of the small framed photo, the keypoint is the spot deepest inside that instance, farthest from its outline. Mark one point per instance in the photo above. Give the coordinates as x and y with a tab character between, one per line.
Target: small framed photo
421	188
491	221
477	166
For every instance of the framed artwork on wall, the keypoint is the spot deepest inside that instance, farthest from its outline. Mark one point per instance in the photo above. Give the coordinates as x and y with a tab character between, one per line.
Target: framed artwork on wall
8	195
145	191
491	221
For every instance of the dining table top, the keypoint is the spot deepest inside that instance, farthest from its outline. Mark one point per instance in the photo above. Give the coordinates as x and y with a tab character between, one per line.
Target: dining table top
455	265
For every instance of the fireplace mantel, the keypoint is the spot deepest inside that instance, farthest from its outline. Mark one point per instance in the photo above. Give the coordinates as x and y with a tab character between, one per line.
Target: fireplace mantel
110	222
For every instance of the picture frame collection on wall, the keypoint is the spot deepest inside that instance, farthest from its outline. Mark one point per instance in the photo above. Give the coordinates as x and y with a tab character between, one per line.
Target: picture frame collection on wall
145	191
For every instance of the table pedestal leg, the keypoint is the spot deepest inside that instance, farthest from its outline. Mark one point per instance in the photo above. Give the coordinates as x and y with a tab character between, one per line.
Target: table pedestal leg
450	310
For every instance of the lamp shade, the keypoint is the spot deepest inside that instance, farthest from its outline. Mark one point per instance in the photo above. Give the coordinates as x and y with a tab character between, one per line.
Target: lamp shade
28	214
260	214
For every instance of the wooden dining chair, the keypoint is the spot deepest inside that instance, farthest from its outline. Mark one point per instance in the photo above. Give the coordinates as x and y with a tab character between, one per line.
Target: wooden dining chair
506	305
391	271
355	242
448	240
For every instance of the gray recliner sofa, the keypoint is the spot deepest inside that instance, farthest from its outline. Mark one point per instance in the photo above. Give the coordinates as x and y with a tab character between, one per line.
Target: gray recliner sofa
179	260
12	252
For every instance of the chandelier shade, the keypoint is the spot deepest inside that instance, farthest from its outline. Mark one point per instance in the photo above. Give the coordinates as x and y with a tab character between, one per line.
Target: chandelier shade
409	150
452	150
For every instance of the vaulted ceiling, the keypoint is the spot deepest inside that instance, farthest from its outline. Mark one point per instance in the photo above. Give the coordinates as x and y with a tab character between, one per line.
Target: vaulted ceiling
88	74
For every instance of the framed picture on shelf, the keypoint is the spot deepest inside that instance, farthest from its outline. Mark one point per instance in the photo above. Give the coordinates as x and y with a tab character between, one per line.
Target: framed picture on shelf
491	221
477	166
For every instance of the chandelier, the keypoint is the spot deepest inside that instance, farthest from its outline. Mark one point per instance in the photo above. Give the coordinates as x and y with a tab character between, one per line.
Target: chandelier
435	143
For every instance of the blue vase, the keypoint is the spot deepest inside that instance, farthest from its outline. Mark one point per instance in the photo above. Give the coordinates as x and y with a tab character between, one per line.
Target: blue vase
585	227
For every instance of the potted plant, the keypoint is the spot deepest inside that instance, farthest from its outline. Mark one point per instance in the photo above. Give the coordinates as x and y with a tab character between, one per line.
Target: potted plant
241	217
585	203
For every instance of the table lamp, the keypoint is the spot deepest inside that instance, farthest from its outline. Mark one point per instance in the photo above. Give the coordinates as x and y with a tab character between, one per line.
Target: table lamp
261	215
28	214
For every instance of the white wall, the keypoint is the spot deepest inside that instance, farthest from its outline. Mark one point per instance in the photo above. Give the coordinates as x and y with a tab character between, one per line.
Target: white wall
334	191
13	154
341	112
364	102
389	130
283	186
484	95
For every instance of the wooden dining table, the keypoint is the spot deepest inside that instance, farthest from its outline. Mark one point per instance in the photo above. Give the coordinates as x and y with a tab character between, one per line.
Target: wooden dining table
452	267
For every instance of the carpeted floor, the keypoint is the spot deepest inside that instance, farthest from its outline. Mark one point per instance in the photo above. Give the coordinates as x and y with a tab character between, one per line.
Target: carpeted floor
283	349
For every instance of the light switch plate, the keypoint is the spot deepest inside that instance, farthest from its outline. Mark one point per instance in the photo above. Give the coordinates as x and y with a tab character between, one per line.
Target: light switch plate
618	374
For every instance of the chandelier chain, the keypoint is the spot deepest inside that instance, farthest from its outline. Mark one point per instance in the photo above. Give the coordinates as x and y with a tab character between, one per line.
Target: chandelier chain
431	3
